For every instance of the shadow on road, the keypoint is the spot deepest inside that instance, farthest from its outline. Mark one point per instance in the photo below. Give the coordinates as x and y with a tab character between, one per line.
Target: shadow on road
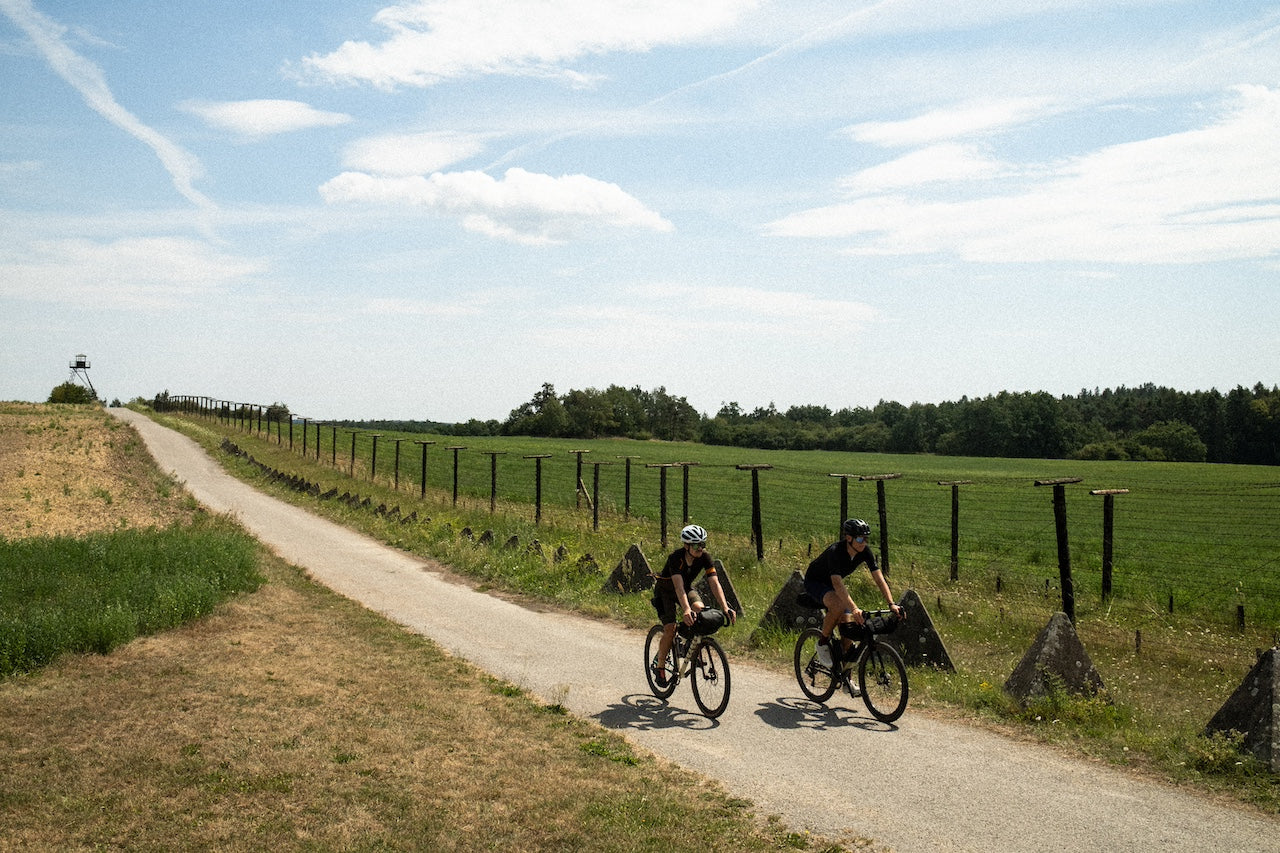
643	712
787	712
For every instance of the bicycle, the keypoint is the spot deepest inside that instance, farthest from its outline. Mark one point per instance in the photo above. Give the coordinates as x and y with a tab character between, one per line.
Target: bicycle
882	676
701	659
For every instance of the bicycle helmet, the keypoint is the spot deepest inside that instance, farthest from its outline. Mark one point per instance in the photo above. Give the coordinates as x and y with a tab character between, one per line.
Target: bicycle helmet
855	527
693	535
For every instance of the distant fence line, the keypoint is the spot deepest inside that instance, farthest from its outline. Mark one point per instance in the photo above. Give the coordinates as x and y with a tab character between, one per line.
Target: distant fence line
1177	575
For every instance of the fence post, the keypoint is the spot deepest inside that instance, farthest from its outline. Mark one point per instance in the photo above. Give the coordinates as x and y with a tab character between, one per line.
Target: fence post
844	497
884	515
662	495
537	485
757	525
354	433
1064	552
306	431
595	494
333	461
626	501
397	480
955	523
1108	529
493	478
422	493
684	473
579	486
373	459
455	450
290	433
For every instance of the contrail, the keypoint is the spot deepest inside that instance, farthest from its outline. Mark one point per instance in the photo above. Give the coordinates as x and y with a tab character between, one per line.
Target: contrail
87	79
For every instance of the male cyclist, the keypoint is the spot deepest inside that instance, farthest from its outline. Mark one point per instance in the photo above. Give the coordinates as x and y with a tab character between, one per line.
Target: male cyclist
824	580
674	595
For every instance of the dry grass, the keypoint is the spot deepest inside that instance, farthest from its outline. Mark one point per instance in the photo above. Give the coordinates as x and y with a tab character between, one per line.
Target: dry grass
71	470
294	719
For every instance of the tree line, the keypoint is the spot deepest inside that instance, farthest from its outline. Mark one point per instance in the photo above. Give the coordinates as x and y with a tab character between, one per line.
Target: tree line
1143	423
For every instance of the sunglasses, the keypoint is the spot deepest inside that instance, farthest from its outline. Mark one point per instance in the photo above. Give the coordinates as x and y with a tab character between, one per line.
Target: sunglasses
698	546
860	539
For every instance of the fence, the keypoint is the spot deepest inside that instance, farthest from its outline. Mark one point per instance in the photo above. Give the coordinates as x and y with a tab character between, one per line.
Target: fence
1176	539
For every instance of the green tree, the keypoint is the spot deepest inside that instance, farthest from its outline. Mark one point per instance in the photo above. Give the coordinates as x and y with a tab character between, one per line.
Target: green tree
70	392
1176	441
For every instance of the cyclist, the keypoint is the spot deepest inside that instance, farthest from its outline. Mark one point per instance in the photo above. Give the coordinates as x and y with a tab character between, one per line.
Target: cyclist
824	580
674	595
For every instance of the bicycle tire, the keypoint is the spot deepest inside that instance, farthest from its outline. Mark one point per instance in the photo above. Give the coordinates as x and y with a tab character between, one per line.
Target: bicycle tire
816	681
650	653
882	678
709	676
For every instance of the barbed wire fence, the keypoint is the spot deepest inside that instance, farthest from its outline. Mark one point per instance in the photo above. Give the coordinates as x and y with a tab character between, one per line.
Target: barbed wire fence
1145	557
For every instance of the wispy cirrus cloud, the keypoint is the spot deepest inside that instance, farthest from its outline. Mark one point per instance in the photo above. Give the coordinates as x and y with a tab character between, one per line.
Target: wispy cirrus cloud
436	40
87	78
1198	195
969	119
523	207
254	119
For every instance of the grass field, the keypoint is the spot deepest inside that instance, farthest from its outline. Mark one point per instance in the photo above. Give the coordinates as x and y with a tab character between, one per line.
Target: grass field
287	718
1160	695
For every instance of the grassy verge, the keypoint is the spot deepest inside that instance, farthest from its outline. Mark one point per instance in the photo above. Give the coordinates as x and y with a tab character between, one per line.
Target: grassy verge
96	593
1158	699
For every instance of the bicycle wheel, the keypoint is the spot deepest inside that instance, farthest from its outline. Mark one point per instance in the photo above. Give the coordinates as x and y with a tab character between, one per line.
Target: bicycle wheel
650	655
710	677
882	677
817	681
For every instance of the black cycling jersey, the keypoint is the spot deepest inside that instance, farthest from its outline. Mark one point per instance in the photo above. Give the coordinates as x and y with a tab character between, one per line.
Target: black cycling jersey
676	565
835	560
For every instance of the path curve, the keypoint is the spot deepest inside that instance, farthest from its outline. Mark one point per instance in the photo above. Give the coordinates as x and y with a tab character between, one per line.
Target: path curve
957	789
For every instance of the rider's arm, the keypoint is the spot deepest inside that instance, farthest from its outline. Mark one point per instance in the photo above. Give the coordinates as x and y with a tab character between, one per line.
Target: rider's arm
686	612
878	577
718	592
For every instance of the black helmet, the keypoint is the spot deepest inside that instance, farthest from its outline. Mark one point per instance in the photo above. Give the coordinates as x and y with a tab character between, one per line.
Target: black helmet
855	527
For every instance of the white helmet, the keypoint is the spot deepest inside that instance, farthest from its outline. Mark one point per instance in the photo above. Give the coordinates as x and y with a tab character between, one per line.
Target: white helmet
693	535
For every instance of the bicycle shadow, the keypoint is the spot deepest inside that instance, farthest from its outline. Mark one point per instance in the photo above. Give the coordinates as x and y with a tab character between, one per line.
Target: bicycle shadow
788	712
643	712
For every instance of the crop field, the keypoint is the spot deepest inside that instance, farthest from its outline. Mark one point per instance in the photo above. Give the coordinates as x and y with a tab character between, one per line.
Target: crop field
1187	538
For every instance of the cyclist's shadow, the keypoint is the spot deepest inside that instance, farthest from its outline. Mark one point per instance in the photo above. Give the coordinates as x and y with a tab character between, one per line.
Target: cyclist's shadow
644	712
787	712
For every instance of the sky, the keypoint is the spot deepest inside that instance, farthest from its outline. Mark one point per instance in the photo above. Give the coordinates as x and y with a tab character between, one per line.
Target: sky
427	210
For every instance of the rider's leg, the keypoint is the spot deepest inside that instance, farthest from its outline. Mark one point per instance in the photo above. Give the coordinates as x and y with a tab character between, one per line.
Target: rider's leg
664	645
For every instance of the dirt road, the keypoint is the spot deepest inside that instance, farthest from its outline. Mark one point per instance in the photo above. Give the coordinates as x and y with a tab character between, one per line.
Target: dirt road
923	785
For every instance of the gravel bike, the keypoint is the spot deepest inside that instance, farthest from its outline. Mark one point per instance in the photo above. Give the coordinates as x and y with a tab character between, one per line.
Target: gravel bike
882	676
700	658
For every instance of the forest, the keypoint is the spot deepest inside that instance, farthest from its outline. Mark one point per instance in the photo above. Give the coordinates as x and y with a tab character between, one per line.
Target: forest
1143	423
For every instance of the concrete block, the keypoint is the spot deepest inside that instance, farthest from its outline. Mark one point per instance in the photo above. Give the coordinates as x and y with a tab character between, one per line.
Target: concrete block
1253	710
1057	658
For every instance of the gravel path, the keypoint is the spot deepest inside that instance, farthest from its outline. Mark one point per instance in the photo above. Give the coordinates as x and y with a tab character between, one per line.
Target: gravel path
956	788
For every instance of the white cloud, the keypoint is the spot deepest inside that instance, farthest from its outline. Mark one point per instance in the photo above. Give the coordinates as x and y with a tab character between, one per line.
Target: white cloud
88	79
522	207
935	164
977	117
259	118
435	40
412	153
1199	195
143	272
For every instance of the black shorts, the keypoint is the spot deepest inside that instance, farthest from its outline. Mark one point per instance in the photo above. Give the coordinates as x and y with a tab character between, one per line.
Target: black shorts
668	606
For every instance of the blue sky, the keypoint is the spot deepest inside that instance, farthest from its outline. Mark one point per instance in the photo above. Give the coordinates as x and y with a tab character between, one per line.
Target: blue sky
429	209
